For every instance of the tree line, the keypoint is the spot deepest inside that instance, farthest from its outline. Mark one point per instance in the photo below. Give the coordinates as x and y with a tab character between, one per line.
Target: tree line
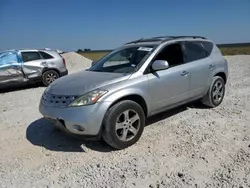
84	50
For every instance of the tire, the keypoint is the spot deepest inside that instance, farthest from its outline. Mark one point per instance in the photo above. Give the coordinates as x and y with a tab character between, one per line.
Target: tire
112	135
211	101
49	76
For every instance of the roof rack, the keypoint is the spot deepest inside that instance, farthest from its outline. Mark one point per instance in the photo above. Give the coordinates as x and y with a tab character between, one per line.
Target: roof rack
162	39
134	41
188	37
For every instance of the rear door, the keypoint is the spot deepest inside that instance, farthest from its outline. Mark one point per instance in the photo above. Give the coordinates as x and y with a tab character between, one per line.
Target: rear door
32	64
47	58
10	68
199	64
53	60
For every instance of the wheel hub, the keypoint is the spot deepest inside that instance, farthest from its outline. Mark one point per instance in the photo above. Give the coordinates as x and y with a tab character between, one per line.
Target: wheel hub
218	92
127	125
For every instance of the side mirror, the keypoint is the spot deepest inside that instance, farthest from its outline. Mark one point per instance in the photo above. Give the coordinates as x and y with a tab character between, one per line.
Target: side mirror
160	65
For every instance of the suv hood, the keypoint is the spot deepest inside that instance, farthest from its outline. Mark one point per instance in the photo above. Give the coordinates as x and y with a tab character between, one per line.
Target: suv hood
84	81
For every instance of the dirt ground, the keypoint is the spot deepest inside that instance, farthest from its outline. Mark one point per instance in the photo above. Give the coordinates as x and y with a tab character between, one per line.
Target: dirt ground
189	146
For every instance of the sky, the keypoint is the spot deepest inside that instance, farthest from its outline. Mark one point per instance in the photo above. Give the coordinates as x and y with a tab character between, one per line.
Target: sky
106	24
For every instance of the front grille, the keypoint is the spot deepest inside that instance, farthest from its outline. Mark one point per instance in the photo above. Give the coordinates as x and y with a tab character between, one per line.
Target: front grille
57	100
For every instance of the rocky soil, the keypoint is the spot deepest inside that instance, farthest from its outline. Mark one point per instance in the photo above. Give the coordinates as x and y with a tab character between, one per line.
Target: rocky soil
186	147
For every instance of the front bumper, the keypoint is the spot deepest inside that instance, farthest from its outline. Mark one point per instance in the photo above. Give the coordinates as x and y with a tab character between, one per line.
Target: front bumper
85	120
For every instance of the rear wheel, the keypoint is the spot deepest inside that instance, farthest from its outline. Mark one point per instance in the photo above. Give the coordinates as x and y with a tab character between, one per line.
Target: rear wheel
216	92
49	76
123	124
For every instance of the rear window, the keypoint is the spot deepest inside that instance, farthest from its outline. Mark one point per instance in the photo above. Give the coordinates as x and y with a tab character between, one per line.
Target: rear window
46	55
208	46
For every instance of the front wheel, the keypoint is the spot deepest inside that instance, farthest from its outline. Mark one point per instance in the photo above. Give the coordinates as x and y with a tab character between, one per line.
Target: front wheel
216	92
123	124
49	76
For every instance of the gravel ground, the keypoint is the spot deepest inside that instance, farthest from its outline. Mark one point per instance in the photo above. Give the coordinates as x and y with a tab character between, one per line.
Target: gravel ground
186	147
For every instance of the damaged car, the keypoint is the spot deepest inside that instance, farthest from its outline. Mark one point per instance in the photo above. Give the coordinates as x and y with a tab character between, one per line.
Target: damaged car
25	66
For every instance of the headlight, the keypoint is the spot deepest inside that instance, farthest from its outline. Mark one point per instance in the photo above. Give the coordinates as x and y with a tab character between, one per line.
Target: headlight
88	98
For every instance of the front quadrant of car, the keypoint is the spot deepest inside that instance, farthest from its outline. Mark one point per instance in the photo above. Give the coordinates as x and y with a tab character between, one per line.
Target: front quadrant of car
78	120
10	67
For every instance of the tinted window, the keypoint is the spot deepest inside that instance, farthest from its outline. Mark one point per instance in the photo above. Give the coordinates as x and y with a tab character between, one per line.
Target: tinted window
194	51
30	56
45	55
208	46
172	54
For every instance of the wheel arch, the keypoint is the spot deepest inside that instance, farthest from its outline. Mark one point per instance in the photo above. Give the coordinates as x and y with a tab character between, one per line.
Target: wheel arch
133	97
222	75
48	69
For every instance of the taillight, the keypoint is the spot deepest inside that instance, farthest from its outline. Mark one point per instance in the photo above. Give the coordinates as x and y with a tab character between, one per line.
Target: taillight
64	62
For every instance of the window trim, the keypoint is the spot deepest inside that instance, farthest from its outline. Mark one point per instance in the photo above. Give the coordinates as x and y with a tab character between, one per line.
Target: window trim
147	69
185	51
30	52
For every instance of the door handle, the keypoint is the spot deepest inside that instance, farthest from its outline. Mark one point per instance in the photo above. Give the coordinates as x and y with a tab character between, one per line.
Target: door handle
211	66
184	73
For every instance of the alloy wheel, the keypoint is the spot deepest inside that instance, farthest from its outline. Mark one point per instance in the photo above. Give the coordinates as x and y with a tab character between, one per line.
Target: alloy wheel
218	91
127	125
51	77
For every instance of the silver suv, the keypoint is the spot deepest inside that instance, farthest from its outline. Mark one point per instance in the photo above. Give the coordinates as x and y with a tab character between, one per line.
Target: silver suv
142	78
30	65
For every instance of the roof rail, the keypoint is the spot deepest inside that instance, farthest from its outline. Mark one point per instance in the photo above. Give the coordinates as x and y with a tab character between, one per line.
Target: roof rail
188	37
162	38
134	41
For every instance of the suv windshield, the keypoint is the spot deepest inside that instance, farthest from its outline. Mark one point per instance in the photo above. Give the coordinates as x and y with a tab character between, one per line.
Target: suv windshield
124	60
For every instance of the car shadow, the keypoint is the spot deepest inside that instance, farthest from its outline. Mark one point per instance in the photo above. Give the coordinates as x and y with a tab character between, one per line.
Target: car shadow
23	86
197	105
42	133
164	115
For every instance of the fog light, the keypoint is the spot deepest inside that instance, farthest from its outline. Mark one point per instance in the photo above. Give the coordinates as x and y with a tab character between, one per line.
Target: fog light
78	128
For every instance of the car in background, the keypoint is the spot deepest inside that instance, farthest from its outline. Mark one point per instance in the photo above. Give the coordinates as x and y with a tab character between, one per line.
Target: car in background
31	65
113	98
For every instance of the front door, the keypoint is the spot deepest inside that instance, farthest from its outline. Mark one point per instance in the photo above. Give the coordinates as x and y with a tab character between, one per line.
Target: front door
10	68
171	86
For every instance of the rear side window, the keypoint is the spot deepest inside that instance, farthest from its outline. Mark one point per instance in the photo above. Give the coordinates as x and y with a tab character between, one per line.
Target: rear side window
194	51
208	46
46	55
30	56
